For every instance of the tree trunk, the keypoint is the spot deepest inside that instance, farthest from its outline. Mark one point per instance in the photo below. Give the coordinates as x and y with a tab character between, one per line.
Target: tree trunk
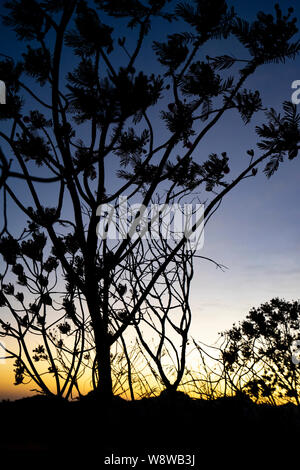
104	385
98	304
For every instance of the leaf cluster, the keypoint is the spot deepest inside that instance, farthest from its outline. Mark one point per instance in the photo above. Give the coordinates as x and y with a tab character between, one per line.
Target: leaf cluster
179	120
131	147
33	147
248	102
9	249
280	136
33	248
117	98
210	19
36	120
90	34
172	53
184	173
135	10
37	64
27	19
267	38
213	170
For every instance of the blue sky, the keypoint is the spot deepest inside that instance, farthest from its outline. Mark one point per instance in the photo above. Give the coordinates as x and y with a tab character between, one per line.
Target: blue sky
255	233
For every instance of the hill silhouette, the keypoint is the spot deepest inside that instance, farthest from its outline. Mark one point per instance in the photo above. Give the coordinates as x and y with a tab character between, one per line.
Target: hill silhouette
39	428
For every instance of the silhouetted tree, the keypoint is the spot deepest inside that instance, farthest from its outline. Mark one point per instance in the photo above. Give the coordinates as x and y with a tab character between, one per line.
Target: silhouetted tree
44	337
166	314
95	109
259	353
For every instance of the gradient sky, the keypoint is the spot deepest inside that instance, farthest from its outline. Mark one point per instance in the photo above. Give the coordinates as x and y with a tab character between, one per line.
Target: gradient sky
255	233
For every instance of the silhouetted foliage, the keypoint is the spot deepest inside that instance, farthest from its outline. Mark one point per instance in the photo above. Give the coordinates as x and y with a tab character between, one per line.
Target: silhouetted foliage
259	353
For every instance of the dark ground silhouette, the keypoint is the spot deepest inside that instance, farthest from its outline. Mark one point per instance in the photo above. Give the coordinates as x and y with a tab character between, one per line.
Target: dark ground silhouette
227	430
